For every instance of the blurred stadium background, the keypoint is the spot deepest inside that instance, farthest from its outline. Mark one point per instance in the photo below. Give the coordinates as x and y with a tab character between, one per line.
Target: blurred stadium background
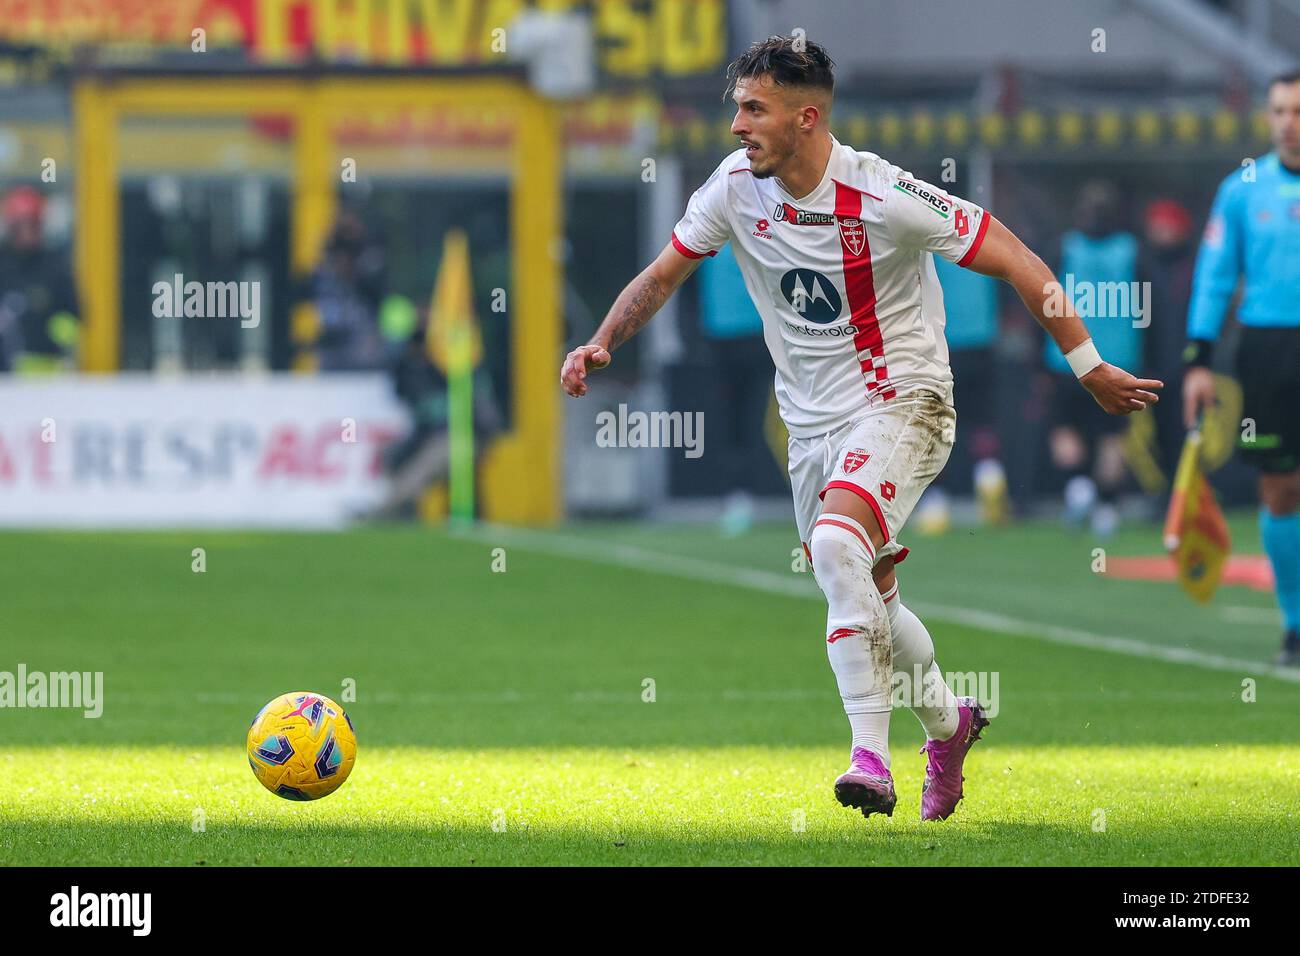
343	154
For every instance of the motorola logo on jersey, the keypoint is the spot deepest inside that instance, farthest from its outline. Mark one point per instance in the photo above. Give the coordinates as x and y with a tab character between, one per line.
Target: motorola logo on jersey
812	295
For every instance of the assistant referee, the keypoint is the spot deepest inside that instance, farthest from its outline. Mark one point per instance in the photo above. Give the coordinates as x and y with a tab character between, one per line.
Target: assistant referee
1254	235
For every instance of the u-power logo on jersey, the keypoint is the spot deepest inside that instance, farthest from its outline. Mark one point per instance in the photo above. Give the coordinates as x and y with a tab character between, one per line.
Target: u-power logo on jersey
784	212
812	295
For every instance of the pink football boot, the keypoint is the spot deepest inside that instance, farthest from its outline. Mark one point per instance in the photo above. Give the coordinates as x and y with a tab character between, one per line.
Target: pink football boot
942	788
866	785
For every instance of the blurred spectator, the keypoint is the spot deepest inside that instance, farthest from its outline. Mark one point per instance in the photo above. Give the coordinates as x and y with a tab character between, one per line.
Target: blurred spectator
347	288
743	373
1167	262
423	457
1087	445
971	305
38	300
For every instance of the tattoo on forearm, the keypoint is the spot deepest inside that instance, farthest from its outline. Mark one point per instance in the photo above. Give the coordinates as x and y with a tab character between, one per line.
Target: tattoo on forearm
634	308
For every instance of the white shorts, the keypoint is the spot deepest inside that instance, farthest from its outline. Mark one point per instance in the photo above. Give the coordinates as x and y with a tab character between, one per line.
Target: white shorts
888	458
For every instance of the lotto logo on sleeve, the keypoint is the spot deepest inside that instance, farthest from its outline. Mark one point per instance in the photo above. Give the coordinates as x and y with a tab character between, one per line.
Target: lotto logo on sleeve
854	460
887	490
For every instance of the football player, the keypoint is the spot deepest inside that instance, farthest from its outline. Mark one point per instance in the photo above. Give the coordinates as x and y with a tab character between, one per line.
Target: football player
835	247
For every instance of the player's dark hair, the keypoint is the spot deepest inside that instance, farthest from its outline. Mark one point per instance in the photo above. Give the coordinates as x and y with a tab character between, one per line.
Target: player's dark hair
789	61
1287	78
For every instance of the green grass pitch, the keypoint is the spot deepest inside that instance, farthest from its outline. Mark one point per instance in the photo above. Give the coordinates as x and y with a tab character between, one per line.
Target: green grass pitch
501	716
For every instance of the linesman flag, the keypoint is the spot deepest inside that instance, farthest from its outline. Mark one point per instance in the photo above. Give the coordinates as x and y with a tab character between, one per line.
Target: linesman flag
1196	535
455	346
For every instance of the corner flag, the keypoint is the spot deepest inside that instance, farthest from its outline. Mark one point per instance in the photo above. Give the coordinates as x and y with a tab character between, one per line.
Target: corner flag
455	346
1196	534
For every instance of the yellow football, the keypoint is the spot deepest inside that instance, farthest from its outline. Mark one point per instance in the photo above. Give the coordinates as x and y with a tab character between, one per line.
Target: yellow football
301	746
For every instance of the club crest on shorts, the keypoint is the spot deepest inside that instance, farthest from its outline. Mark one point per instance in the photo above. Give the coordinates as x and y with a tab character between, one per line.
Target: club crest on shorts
854	459
853	234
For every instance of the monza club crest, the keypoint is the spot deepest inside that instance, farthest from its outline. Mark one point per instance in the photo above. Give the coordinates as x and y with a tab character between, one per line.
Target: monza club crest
854	459
853	234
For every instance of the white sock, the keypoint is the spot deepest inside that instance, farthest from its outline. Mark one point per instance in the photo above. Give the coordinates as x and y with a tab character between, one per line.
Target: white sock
932	701
857	628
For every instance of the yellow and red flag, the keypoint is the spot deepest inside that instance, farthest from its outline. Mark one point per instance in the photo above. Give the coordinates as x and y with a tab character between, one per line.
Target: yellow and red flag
1196	534
454	344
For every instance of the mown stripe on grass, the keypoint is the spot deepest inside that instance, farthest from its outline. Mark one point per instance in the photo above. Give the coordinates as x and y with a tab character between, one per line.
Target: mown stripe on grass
697	569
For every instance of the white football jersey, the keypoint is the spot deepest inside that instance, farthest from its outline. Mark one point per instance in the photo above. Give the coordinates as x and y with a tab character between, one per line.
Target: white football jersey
843	278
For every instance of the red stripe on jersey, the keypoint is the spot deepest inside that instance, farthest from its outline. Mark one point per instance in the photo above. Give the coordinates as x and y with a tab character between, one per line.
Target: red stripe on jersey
863	191
860	285
689	253
979	239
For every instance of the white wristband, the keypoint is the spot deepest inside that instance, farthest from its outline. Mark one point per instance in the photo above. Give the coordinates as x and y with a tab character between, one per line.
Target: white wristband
1083	358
